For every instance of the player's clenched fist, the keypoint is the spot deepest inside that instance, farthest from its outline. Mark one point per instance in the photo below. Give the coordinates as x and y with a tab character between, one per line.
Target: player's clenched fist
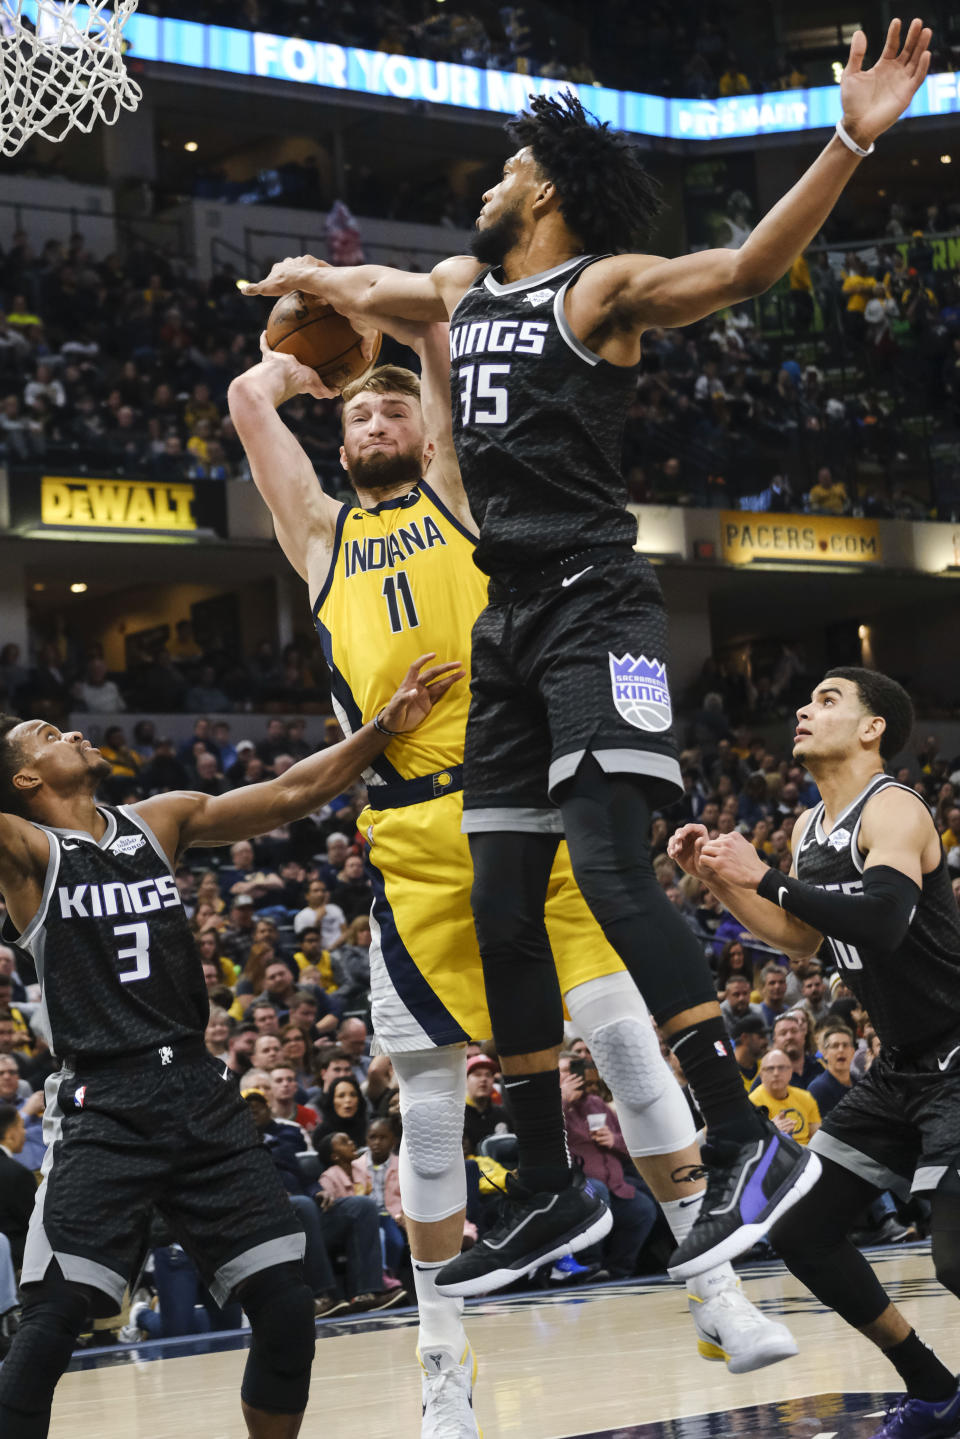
682	847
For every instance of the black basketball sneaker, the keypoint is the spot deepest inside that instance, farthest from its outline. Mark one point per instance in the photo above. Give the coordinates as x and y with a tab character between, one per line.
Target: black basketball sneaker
749	1188
534	1229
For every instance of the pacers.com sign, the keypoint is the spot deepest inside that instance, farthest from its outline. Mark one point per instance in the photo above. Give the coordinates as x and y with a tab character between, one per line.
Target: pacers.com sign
810	539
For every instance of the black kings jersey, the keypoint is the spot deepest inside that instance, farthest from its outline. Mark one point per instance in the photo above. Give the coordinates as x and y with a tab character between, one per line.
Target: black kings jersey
115	959
913	995
538	424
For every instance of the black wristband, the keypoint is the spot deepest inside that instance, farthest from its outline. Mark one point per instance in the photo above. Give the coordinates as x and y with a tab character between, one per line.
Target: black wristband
381	728
878	918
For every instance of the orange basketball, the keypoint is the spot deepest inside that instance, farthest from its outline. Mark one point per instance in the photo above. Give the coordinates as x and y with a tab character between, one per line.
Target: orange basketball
311	330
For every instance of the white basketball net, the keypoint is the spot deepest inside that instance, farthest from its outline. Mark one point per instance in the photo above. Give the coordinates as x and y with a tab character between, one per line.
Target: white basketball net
61	68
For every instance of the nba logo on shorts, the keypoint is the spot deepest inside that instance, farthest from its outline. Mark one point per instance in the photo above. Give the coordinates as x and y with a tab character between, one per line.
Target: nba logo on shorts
640	692
79	1095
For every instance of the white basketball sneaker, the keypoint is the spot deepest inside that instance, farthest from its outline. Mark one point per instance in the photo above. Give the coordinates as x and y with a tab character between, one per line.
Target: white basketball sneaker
447	1394
729	1327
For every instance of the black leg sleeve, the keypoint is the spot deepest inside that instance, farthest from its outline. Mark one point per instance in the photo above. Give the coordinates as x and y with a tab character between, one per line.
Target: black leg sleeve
54	1313
607	822
511	872
945	1239
813	1242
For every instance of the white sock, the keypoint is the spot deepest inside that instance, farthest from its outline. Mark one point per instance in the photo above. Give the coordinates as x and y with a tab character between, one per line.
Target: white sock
680	1214
441	1317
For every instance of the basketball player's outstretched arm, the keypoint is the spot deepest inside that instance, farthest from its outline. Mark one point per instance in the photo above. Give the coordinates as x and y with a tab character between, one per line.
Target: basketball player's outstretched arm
363	291
185	818
303	516
631	293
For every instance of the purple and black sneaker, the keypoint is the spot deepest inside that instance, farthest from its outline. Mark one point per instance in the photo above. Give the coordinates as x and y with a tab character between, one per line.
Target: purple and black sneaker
749	1188
921	1419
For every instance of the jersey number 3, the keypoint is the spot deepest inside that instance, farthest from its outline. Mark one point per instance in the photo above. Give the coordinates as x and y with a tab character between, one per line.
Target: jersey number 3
139	951
400	607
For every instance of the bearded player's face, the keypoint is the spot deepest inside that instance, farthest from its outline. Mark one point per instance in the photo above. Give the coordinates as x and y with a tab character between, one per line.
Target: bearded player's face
500	222
383	442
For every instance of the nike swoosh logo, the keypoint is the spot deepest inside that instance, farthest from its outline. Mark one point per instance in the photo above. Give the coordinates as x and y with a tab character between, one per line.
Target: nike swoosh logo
942	1063
514	1083
942	1413
69	844
780	893
685	1203
572	579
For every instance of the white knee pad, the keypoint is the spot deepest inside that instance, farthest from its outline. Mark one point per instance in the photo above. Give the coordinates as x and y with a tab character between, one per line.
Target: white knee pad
612	1017
433	1092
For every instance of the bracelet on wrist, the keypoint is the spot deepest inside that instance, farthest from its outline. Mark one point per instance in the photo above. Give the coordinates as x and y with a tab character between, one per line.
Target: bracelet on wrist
851	143
381	728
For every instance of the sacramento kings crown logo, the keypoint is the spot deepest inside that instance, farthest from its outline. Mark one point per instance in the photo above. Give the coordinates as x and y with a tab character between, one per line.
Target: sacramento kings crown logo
640	692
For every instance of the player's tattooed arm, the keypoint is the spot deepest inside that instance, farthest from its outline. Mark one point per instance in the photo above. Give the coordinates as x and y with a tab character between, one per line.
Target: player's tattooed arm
359	291
303	516
185	818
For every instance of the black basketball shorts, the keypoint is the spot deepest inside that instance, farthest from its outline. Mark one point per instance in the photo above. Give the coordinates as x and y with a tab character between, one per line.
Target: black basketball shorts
571	662
899	1127
175	1135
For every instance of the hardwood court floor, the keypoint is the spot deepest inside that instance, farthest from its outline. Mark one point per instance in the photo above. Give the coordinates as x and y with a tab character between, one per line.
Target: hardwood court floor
582	1363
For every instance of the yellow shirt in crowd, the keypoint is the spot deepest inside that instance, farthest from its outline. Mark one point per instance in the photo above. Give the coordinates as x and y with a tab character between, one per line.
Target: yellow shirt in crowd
798	1103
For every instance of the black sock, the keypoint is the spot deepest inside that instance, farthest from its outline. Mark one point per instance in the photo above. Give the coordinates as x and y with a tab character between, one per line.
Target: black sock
704	1053
921	1371
535	1104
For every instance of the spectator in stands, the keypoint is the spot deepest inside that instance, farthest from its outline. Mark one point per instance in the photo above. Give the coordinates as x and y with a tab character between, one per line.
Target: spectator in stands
380	1172
790	1035
773	989
342	1108
596	1141
333	1064
337	848
483	1115
838	1047
791	1109
217	1033
750	1044
342	1196
96	692
352	1039
353	891
350	962
279	988
283	1103
18	1188
240	1048
266	1050
297	1055
815	997
237	936
736	1002
828	496
320	913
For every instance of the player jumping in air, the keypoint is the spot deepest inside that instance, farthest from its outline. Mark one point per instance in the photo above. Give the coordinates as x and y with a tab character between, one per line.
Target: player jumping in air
569	728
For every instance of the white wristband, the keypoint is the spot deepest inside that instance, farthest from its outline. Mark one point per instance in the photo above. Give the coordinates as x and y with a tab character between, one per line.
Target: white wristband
851	144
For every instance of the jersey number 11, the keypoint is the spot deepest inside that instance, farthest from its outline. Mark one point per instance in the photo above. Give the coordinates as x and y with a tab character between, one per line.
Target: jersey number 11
399	597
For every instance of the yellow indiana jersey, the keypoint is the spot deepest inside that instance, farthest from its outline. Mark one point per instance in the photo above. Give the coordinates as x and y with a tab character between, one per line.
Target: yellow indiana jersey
402	581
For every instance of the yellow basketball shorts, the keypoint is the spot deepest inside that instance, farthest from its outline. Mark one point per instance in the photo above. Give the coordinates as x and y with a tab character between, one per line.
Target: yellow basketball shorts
426	977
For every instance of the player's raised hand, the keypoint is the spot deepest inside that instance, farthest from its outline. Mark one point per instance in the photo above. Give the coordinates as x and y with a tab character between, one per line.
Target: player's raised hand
731	858
287	377
419	692
682	847
874	99
298	272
